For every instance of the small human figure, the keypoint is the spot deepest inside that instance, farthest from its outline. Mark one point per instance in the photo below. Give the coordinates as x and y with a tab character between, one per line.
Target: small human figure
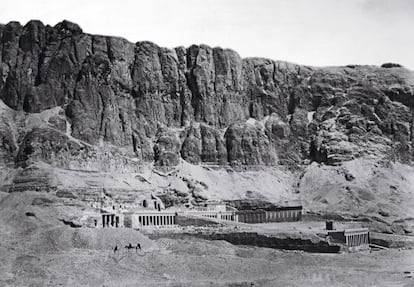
129	246
138	247
116	248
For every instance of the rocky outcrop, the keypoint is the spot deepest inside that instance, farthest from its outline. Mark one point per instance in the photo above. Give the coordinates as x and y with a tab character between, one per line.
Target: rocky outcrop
144	103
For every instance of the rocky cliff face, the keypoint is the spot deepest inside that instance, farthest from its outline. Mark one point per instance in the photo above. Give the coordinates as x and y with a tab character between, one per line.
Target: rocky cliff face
91	103
199	103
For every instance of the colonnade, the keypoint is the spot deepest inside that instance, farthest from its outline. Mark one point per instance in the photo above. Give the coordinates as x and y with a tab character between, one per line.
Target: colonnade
251	216
227	215
357	239
110	220
283	215
154	219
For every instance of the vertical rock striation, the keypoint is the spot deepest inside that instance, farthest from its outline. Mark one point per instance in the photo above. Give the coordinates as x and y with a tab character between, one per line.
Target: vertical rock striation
199	103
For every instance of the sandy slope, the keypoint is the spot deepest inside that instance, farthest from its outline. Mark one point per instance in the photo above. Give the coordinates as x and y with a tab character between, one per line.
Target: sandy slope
41	251
373	189
360	188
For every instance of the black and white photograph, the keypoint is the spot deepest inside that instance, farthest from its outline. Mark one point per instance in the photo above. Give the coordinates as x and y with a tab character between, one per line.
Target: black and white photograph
203	143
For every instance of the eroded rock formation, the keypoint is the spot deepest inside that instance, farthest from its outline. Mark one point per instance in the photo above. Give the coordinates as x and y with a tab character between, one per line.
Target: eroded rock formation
158	104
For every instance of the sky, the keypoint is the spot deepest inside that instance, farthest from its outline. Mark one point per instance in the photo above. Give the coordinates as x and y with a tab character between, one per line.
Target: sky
309	32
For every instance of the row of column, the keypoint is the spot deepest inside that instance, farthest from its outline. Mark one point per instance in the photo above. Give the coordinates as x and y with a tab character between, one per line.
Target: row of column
252	217
110	220
284	215
357	239
146	220
229	217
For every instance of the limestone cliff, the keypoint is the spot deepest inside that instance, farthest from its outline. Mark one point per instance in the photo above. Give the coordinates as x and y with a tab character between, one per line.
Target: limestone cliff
97	103
160	104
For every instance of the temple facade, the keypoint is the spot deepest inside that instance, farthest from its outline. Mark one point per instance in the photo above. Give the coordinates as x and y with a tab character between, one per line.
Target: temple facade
251	216
286	213
276	214
110	220
150	219
221	215
351	238
150	212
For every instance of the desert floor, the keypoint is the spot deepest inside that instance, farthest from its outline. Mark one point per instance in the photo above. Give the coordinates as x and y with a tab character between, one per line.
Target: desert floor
41	251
